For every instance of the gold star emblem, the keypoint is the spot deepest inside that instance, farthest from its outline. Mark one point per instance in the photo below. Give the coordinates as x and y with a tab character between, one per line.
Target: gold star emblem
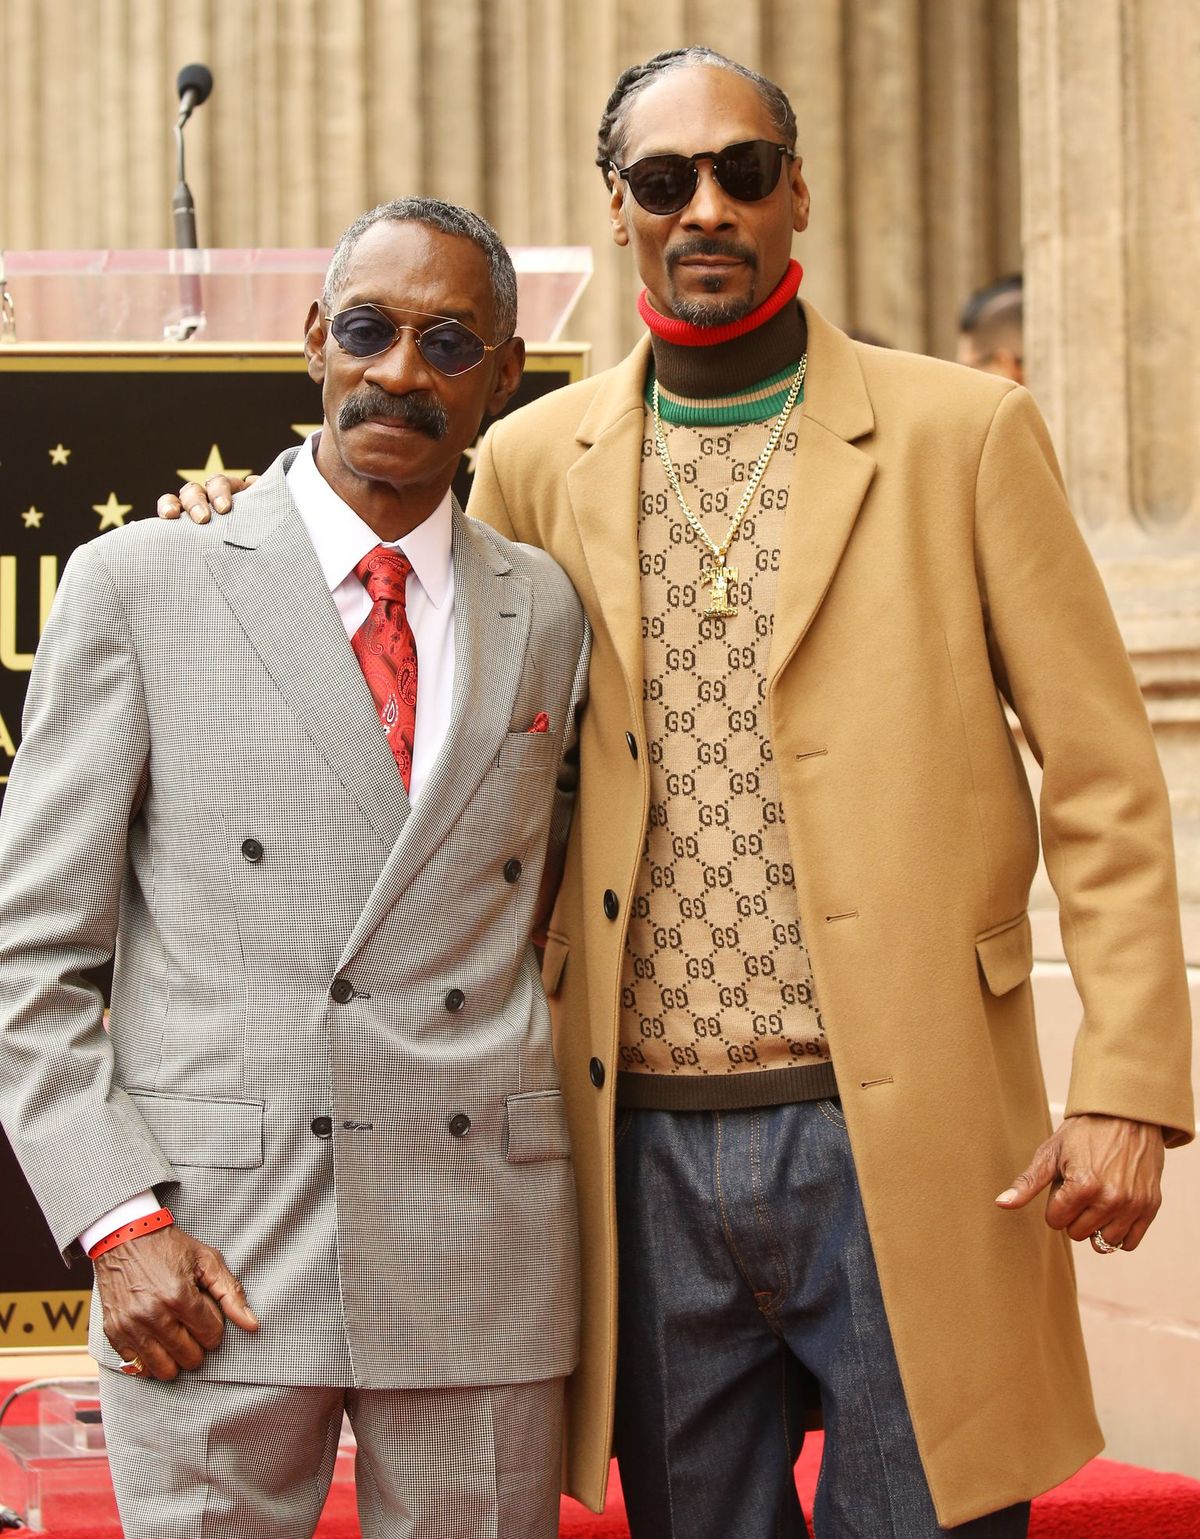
59	455
33	517
213	466
112	513
303	429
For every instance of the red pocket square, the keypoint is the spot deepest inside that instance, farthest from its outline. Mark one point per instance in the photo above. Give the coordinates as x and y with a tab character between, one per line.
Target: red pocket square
541	723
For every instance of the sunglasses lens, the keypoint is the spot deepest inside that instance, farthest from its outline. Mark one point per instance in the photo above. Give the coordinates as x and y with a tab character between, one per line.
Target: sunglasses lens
362	332
451	348
662	184
749	171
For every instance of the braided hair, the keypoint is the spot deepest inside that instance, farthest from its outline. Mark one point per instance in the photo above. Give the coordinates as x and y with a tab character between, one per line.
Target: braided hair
610	143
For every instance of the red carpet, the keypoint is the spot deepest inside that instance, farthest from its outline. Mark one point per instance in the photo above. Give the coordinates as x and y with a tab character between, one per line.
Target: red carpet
1104	1501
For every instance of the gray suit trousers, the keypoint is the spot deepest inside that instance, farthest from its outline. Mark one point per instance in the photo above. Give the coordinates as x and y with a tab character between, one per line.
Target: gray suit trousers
200	1459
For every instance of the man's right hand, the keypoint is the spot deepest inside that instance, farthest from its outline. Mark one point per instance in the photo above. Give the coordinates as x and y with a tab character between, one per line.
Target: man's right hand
165	1298
200	502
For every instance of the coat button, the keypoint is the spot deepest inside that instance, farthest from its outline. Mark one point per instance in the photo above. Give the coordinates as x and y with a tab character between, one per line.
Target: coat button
455	1000
459	1125
632	741
252	850
611	906
512	870
341	991
322	1126
596	1073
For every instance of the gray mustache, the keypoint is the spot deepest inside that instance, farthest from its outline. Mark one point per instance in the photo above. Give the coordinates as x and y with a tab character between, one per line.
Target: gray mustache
423	412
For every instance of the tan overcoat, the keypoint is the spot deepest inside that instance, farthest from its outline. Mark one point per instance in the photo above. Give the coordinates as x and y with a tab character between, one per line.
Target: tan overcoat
930	569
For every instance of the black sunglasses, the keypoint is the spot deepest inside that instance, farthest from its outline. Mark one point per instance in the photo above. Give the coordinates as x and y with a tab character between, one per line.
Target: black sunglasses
663	184
364	331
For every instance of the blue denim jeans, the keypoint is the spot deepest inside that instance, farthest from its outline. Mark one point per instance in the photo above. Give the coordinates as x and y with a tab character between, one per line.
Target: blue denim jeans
746	1268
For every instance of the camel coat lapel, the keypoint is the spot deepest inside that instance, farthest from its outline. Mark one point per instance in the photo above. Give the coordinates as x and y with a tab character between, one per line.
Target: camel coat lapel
830	478
603	485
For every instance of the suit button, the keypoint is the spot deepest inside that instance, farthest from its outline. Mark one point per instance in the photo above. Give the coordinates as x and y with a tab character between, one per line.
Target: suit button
322	1127
512	870
341	991
459	1125
455	1000
632	741
611	906
252	850
596	1073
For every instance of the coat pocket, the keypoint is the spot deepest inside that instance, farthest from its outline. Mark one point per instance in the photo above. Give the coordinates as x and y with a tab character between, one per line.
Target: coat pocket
536	1127
219	1135
1006	954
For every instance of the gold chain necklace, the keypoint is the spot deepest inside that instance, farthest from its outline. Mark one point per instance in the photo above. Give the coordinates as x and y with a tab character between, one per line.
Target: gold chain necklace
715	573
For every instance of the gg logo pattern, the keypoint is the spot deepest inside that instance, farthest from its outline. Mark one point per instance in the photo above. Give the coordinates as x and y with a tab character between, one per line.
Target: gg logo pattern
717	979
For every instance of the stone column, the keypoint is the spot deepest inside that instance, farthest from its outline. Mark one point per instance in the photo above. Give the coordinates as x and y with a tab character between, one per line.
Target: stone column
1110	163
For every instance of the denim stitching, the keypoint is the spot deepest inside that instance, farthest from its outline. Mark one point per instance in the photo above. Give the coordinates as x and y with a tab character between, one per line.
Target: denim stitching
866	1380
725	1225
763	1214
827	1111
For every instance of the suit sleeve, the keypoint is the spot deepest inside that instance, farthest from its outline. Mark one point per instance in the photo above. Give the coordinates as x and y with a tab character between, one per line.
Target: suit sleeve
1059	659
76	784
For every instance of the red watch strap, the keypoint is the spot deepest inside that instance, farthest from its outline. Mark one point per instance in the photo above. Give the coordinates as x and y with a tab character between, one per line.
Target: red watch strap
163	1219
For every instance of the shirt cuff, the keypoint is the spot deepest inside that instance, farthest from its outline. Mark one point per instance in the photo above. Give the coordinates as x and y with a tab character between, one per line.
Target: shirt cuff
124	1213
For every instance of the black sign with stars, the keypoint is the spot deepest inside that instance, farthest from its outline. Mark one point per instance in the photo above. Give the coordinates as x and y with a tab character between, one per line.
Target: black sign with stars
89	440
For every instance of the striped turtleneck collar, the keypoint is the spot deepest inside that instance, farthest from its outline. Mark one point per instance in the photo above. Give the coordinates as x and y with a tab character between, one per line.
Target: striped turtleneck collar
728	374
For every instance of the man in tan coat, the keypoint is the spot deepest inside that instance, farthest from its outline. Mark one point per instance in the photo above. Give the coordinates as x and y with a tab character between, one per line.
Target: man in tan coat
790	957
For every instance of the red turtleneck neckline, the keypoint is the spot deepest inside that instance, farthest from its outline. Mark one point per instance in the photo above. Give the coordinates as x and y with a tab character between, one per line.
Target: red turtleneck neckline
685	334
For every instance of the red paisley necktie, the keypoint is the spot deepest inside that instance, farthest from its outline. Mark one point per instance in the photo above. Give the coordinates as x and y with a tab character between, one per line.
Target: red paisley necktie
387	650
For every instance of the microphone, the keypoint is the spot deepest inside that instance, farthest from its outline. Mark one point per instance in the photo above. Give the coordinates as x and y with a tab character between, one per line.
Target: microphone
194	84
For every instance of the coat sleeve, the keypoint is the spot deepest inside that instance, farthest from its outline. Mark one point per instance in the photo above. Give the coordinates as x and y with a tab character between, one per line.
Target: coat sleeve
76	784
1059	660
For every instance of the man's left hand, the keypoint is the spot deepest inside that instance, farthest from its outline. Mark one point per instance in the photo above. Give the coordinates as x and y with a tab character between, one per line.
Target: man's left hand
1105	1175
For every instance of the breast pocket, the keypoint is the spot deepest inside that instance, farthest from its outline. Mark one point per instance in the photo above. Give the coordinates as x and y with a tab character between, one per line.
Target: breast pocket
528	750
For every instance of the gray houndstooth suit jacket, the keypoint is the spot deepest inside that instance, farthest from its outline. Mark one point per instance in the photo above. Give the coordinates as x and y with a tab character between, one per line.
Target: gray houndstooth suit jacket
204	782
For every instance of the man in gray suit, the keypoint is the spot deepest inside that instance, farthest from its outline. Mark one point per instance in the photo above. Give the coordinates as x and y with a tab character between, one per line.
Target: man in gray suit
301	772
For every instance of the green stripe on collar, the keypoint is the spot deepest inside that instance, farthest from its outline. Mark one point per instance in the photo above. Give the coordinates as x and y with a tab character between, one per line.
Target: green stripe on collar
760	403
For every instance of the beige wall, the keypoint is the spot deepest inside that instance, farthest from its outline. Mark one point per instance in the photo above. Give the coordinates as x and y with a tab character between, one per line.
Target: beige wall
907	110
1110	141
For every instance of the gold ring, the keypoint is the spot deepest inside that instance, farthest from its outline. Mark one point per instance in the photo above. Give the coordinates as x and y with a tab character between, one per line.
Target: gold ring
134	1367
1101	1246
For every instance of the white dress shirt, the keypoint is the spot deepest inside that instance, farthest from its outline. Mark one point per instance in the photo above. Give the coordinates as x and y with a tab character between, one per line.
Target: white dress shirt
341	540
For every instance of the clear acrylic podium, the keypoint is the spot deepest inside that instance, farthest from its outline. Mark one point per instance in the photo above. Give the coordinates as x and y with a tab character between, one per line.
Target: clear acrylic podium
230	296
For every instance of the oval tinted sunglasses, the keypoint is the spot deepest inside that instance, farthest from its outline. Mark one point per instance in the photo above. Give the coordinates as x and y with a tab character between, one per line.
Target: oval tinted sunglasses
365	331
663	184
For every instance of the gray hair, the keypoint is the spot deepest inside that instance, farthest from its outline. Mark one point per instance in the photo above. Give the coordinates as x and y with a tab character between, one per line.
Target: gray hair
450	219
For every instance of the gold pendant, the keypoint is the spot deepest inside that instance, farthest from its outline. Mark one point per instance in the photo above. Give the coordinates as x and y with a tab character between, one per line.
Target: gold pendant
719	576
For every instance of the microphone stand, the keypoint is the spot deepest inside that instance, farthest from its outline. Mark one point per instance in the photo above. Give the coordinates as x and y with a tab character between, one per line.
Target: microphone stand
183	214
